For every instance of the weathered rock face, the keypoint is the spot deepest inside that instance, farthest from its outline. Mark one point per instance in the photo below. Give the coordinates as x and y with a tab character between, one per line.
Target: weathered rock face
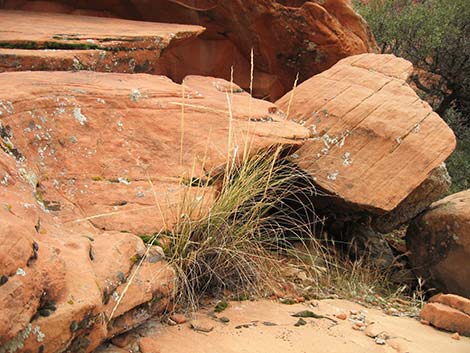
376	146
439	242
59	285
61	42
288	37
88	161
448	312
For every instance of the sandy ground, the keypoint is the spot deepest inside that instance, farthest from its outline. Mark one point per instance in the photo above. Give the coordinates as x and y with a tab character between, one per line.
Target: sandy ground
268	327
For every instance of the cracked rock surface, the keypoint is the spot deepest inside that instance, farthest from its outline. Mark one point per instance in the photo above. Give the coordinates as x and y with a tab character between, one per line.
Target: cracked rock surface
376	147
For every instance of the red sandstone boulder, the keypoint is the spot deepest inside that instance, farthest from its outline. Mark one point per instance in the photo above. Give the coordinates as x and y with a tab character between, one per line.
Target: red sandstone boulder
439	242
288	37
89	161
375	146
448	312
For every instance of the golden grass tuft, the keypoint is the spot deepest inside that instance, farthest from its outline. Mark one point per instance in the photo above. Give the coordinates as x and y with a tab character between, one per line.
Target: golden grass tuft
236	245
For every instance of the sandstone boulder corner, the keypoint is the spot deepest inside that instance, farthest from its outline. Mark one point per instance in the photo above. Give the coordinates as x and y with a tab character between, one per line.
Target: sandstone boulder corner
439	244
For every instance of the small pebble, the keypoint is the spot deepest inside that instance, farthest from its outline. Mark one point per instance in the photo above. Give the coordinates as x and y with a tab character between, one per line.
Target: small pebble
392	312
455	336
379	340
358	327
300	322
178	318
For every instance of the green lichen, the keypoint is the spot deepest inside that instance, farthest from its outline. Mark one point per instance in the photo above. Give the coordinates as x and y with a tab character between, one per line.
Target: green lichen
49	45
221	306
17	342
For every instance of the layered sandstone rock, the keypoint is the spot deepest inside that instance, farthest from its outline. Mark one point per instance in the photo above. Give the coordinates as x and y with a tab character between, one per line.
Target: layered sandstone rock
376	146
287	37
439	242
88	162
61	42
448	312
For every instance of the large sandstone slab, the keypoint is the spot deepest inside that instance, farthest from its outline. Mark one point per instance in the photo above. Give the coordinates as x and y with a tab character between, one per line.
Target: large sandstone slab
52	41
90	161
112	143
439	244
374	141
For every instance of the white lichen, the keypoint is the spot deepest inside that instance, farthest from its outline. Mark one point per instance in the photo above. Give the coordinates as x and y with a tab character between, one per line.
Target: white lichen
135	95
333	176
77	65
39	334
347	161
115	296
7	107
417	128
124	181
6	178
314	129
77	114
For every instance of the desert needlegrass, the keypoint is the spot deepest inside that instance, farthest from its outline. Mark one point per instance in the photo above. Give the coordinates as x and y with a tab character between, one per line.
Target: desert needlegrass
235	245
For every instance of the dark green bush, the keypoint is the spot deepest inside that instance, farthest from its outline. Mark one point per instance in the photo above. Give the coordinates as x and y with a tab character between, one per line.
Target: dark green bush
435	36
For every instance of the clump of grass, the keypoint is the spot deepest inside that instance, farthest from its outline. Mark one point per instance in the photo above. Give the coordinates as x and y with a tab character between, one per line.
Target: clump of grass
360	282
357	280
235	246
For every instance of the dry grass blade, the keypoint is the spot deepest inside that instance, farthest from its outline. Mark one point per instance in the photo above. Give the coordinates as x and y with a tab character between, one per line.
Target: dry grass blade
292	95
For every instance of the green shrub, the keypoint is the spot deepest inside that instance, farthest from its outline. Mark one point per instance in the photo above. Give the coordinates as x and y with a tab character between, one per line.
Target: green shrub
435	36
459	162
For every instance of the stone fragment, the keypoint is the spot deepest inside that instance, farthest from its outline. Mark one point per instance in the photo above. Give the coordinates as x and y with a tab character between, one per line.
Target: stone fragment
446	318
